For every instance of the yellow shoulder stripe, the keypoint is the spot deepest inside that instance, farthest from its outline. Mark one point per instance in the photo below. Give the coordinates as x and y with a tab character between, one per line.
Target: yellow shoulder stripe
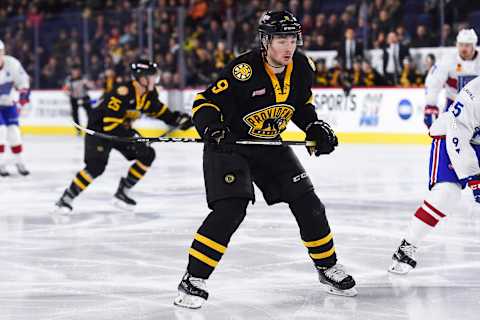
159	113
310	100
111	127
206	104
199	96
112	119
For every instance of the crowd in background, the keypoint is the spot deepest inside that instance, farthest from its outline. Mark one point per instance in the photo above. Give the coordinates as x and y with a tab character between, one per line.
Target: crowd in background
48	35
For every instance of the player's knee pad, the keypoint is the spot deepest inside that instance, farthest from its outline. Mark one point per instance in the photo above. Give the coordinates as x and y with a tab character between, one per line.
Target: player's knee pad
228	214
3	134
309	212
444	197
95	169
14	136
308	204
147	156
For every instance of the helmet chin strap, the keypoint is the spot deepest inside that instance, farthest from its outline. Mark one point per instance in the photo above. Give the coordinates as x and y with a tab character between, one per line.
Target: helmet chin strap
265	57
273	66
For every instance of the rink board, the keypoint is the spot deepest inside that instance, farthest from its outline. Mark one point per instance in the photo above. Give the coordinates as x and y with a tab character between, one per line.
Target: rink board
380	115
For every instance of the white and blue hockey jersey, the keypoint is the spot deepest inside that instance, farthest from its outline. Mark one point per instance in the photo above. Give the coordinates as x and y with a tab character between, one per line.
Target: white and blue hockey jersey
12	76
461	128
451	73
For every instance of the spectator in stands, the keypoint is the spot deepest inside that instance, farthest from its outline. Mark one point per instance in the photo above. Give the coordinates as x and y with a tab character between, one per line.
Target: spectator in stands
362	31
349	49
320	24
95	68
332	31
307	24
410	77
319	43
393	55
371	77
375	7
336	73
347	20
385	24
115	33
51	76
356	75
321	73
222	56
422	38
395	12
403	35
108	80
447	37
429	63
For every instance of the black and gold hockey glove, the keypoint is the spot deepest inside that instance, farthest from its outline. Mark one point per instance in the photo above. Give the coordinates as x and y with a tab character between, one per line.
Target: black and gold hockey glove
324	137
182	120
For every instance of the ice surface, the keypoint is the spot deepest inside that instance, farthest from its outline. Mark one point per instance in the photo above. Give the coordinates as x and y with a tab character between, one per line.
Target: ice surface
105	264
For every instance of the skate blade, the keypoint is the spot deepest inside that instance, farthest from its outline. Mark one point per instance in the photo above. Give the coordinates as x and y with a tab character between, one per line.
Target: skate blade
399	268
188	301
123	206
61	211
345	293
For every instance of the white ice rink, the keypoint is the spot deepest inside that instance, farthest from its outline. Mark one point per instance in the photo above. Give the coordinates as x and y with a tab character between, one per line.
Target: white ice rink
104	264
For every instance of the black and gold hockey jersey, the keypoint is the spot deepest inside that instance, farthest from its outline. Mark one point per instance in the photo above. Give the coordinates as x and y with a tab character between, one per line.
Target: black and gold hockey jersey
254	102
123	105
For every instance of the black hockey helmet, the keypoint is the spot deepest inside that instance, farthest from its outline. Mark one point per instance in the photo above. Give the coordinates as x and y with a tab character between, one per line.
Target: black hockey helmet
278	23
143	67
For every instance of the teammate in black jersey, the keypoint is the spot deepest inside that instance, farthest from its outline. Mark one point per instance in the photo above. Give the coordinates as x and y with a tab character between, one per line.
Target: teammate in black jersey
255	97
114	115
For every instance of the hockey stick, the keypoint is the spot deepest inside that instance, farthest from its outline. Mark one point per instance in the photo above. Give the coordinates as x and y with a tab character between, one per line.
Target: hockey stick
188	140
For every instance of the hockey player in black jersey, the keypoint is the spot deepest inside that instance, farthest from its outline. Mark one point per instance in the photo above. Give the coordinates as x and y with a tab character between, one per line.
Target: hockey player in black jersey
114	115
255	97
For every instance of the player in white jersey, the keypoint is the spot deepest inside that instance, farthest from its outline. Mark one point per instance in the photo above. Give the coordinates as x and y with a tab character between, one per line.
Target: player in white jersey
12	76
454	164
452	73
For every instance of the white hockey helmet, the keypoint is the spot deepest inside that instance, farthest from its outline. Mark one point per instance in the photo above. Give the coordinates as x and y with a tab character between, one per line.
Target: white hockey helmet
467	36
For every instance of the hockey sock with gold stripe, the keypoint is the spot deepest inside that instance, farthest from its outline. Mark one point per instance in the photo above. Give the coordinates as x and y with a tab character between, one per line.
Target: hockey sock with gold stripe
81	181
136	172
314	229
212	238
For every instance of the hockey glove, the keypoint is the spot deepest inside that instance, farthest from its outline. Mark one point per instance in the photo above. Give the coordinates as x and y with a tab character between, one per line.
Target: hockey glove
217	134
182	120
430	114
132	115
474	184
24	97
324	137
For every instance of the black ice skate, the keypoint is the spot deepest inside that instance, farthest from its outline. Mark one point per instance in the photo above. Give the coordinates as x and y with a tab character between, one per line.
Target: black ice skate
192	292
403	259
22	169
3	171
122	200
336	281
64	204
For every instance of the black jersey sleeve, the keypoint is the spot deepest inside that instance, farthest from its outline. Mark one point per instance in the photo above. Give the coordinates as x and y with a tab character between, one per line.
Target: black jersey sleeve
305	109
212	105
155	108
